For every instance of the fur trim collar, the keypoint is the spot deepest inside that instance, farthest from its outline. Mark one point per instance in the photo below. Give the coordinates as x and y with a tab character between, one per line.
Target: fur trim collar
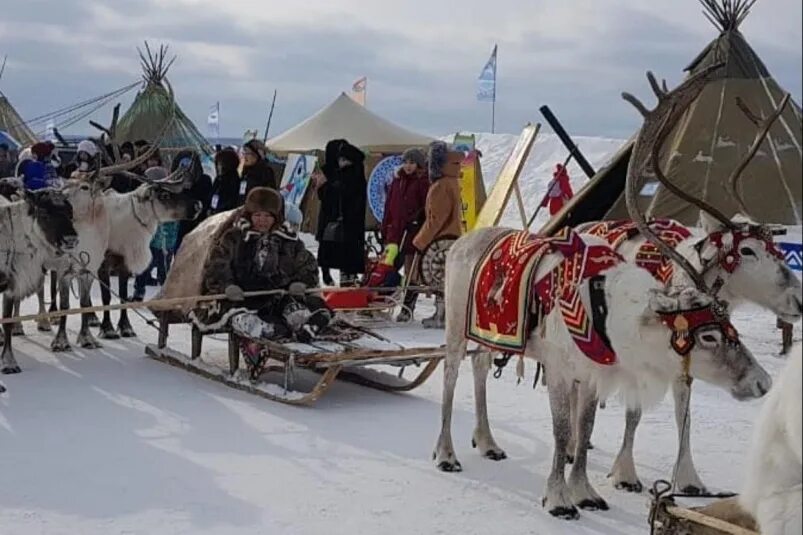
283	231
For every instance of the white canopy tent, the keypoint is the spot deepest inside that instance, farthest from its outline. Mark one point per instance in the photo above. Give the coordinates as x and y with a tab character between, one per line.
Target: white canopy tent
345	119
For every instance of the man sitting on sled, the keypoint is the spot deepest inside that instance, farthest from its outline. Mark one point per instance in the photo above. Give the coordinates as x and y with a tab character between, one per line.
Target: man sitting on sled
262	252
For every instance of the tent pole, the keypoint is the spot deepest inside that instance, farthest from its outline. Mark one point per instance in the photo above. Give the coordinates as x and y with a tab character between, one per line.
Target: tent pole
270	116
493	114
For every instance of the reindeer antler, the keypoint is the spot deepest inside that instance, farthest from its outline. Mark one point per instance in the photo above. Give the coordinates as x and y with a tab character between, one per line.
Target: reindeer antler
764	126
658	123
112	169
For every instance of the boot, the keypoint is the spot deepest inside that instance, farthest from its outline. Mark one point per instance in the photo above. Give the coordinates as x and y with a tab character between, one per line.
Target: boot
408	307
438	320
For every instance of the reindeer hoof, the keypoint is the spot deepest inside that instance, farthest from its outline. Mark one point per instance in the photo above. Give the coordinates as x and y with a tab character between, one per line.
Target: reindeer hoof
93	320
570	459
635	488
495	455
109	333
2	389
8	370
589	446
17	330
446	466
127	332
89	343
565	513
597	504
59	346
44	327
693	490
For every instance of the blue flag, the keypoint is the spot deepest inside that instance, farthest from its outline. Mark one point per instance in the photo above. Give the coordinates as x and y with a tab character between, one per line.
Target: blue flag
486	84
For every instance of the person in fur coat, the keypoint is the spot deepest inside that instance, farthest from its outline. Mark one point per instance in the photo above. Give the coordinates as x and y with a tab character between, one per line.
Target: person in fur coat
259	253
443	210
342	190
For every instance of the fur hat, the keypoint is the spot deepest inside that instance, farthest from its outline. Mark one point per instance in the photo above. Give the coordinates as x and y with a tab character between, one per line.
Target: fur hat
265	200
443	162
88	147
416	156
43	149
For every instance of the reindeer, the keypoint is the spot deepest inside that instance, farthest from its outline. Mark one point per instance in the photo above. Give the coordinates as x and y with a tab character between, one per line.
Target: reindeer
689	331
772	490
121	224
33	231
736	256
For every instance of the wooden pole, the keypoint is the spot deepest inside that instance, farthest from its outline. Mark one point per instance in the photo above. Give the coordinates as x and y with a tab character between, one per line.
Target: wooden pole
270	116
177	302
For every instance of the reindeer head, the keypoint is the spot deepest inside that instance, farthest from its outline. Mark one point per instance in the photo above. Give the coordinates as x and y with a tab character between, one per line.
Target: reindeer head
53	215
703	336
168	204
700	327
743	259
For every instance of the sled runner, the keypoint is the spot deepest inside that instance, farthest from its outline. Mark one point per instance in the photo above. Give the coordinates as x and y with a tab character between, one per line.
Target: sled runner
722	517
329	359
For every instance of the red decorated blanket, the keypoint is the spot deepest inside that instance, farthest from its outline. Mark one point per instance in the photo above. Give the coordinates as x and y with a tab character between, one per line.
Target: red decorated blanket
503	292
648	256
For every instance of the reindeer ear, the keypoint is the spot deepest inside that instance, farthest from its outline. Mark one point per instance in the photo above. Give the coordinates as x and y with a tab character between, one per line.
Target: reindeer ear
660	303
708	223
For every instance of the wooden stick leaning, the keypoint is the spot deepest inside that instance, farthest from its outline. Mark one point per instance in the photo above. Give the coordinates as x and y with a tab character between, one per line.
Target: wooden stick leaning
705	520
178	302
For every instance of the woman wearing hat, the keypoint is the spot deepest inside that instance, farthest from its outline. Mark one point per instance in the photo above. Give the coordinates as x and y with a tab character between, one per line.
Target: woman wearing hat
404	214
258	253
256	171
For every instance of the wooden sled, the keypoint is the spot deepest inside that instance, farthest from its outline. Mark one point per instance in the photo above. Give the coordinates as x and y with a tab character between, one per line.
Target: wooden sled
330	360
722	517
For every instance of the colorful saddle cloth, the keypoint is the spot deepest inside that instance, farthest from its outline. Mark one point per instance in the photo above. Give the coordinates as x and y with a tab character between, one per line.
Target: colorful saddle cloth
505	300
648	256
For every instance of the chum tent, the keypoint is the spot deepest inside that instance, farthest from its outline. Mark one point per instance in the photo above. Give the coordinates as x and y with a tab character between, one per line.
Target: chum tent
345	119
12	124
709	141
151	107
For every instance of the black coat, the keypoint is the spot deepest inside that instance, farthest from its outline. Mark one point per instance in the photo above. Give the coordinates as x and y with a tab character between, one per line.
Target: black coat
200	190
258	175
343	195
227	189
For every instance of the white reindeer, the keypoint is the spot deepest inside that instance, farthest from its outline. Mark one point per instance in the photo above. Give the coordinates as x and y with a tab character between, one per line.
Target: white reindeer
772	490
121	224
638	306
738	257
32	232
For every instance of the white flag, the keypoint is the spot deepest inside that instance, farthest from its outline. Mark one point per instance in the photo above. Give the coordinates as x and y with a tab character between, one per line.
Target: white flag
213	120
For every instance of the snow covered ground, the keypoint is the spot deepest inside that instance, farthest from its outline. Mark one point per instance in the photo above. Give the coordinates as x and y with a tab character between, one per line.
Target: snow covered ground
109	441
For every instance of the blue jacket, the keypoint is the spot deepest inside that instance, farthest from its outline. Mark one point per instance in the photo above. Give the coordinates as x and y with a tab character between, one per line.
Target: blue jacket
38	175
165	237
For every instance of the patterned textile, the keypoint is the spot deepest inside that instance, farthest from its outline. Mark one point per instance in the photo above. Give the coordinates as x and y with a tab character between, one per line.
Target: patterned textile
561	288
500	298
648	256
503	291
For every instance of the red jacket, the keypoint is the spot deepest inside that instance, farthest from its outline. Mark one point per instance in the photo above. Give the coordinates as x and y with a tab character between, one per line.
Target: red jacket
404	208
559	190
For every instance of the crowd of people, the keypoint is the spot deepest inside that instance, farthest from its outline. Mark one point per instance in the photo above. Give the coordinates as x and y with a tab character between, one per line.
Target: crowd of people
263	249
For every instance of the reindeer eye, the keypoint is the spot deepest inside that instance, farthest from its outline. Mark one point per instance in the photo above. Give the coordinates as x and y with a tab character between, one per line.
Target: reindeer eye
709	338
746	251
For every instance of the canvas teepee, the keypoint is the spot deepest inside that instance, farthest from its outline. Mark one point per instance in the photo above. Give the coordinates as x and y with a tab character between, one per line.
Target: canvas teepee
709	141
13	125
151	107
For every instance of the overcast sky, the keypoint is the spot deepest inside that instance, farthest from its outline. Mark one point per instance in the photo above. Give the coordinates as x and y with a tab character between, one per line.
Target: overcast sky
421	57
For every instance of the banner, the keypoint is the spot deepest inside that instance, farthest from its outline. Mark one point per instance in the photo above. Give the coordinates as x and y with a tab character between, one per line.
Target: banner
486	84
213	121
359	90
296	177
